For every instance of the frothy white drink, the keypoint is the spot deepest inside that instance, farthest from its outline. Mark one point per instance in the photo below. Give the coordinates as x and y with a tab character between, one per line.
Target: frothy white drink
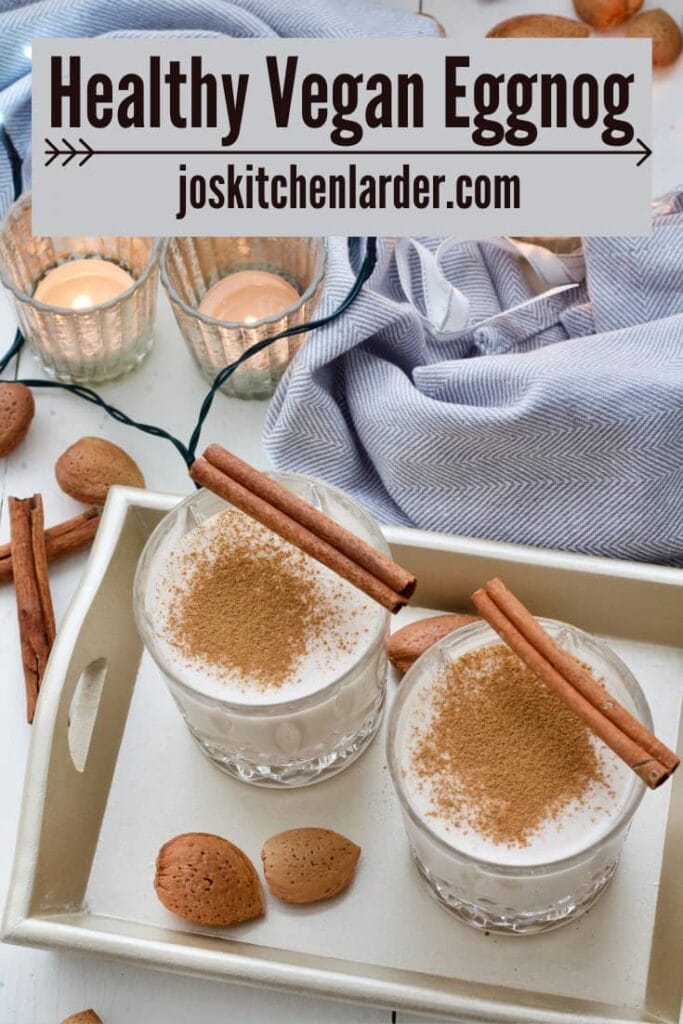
569	828
516	816
341	622
277	665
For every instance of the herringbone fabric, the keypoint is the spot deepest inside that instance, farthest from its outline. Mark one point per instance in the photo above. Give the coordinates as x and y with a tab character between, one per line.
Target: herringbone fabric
556	422
20	23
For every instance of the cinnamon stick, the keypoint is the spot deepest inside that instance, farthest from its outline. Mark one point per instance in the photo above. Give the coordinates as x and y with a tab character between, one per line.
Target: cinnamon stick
60	540
290	529
32	589
648	768
390	573
576	674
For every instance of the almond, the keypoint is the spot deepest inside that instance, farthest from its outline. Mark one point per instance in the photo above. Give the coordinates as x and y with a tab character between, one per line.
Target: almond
538	26
91	466
206	879
84	1017
16	412
305	865
407	644
662	30
605	14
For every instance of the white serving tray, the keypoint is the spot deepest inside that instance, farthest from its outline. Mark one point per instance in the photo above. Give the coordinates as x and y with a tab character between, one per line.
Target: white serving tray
84	863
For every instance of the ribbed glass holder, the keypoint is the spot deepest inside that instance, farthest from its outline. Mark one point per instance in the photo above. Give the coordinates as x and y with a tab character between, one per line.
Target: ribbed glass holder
82	346
190	266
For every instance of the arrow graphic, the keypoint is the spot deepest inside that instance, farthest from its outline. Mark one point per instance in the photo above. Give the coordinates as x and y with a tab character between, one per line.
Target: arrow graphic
68	152
647	152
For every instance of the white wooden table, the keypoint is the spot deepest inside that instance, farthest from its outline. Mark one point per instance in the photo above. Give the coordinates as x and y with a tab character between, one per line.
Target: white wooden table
40	987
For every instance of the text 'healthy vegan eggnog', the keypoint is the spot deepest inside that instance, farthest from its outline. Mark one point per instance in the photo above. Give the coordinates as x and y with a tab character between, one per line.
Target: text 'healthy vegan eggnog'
515	810
277	664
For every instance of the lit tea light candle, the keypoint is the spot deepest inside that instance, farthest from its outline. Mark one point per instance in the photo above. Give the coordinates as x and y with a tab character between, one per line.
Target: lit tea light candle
82	284
248	296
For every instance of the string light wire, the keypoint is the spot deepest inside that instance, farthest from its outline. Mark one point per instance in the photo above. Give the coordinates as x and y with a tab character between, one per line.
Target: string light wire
188	452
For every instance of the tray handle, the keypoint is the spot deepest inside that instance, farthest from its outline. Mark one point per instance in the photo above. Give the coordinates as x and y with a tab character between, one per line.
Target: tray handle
81	716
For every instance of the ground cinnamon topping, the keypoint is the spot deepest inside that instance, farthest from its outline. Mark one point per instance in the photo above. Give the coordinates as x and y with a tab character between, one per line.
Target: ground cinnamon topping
249	603
503	754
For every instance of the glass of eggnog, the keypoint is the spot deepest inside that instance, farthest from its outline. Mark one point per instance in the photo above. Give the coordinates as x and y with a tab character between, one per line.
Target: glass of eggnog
277	665
515	811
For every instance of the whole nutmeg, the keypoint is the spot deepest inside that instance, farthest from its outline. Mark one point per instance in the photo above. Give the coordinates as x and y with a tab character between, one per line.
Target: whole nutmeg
305	865
538	26
665	34
406	645
206	879
604	14
87	470
16	412
84	1017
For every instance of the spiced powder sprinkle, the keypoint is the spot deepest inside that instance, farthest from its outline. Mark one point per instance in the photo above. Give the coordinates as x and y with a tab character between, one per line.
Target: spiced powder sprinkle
502	755
249	604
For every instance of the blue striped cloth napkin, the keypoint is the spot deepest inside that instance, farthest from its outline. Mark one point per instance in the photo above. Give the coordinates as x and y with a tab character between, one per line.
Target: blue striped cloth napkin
554	421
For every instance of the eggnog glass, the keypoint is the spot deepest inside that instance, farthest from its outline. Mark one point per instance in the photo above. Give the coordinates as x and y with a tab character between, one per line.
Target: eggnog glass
87	345
262	739
191	266
517	890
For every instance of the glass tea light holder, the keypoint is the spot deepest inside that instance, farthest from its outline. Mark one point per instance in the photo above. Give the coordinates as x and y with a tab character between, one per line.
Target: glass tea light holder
512	890
85	305
230	293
